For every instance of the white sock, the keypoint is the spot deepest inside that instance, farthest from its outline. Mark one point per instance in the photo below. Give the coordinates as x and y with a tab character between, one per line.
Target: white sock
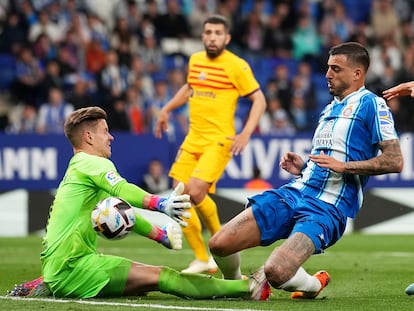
302	282
229	266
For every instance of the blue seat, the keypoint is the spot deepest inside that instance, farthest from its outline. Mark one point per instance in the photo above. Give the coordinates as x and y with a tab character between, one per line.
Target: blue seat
268	66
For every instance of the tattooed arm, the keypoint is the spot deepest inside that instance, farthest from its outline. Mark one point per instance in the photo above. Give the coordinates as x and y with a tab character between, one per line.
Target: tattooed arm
389	161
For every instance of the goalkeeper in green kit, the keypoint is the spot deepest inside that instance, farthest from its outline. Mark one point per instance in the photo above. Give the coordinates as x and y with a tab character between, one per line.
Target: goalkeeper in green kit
71	265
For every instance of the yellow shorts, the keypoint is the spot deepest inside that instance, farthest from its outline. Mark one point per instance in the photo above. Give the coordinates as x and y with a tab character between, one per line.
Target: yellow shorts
207	165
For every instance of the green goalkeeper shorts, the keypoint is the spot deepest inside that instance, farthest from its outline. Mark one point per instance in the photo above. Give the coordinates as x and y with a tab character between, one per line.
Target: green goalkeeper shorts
89	276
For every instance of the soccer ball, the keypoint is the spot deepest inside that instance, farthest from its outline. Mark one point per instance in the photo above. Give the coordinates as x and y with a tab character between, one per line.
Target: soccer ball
113	218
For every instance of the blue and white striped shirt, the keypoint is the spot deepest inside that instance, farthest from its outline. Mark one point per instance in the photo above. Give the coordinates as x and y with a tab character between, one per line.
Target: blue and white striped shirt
348	130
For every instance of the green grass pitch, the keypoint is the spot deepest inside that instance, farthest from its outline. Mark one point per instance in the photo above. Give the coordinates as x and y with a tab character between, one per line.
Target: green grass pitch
369	272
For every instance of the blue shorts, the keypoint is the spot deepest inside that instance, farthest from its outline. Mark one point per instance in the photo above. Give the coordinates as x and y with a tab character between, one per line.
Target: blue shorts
281	212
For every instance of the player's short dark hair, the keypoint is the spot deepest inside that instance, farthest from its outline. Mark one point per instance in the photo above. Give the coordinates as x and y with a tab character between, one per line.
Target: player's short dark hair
354	51
88	116
218	19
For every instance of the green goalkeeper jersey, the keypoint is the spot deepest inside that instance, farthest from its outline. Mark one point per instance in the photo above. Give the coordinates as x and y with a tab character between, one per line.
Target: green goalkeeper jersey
88	179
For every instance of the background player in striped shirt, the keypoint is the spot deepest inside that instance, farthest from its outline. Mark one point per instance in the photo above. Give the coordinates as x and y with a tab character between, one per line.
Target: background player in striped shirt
216	79
355	138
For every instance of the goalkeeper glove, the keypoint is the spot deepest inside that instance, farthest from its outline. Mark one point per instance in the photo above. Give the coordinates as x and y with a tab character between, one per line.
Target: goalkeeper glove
174	205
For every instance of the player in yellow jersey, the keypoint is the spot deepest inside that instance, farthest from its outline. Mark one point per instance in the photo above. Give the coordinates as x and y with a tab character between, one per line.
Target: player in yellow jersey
215	81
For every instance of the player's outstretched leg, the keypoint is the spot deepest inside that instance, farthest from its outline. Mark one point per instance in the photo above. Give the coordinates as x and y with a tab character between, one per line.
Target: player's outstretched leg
410	289
204	286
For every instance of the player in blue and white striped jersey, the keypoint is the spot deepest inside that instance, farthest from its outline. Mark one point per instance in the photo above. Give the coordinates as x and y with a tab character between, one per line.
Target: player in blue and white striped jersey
355	138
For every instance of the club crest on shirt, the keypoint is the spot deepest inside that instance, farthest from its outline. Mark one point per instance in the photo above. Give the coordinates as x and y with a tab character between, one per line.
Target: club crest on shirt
348	110
202	75
113	178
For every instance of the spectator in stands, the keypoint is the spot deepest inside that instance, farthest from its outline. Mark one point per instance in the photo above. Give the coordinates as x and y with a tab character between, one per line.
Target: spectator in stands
173	24
70	9
13	35
303	101
118	120
95	56
98	30
155	180
67	64
154	105
252	31
135	108
124	54
385	22
51	80
75	50
337	23
299	113
287	13
122	34
23	121
257	182
81	95
151	19
44	25
138	77
53	113
27	14
56	11
29	75
385	52
276	41
44	49
80	28
152	55
275	120
306	40
264	9
112	79
304	83
284	84
131	11
385	81
200	11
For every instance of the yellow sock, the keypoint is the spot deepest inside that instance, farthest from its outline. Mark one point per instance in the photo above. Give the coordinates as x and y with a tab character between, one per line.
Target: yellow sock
194	237
207	209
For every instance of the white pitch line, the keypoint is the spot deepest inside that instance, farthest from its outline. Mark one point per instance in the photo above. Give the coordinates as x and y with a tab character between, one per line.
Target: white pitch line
122	304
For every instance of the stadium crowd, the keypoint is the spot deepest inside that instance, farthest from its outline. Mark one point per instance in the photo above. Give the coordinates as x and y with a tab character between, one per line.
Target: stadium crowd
59	56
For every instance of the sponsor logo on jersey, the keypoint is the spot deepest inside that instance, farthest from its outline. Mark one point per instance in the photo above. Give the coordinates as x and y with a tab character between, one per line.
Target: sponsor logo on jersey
113	178
386	119
324	137
205	94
